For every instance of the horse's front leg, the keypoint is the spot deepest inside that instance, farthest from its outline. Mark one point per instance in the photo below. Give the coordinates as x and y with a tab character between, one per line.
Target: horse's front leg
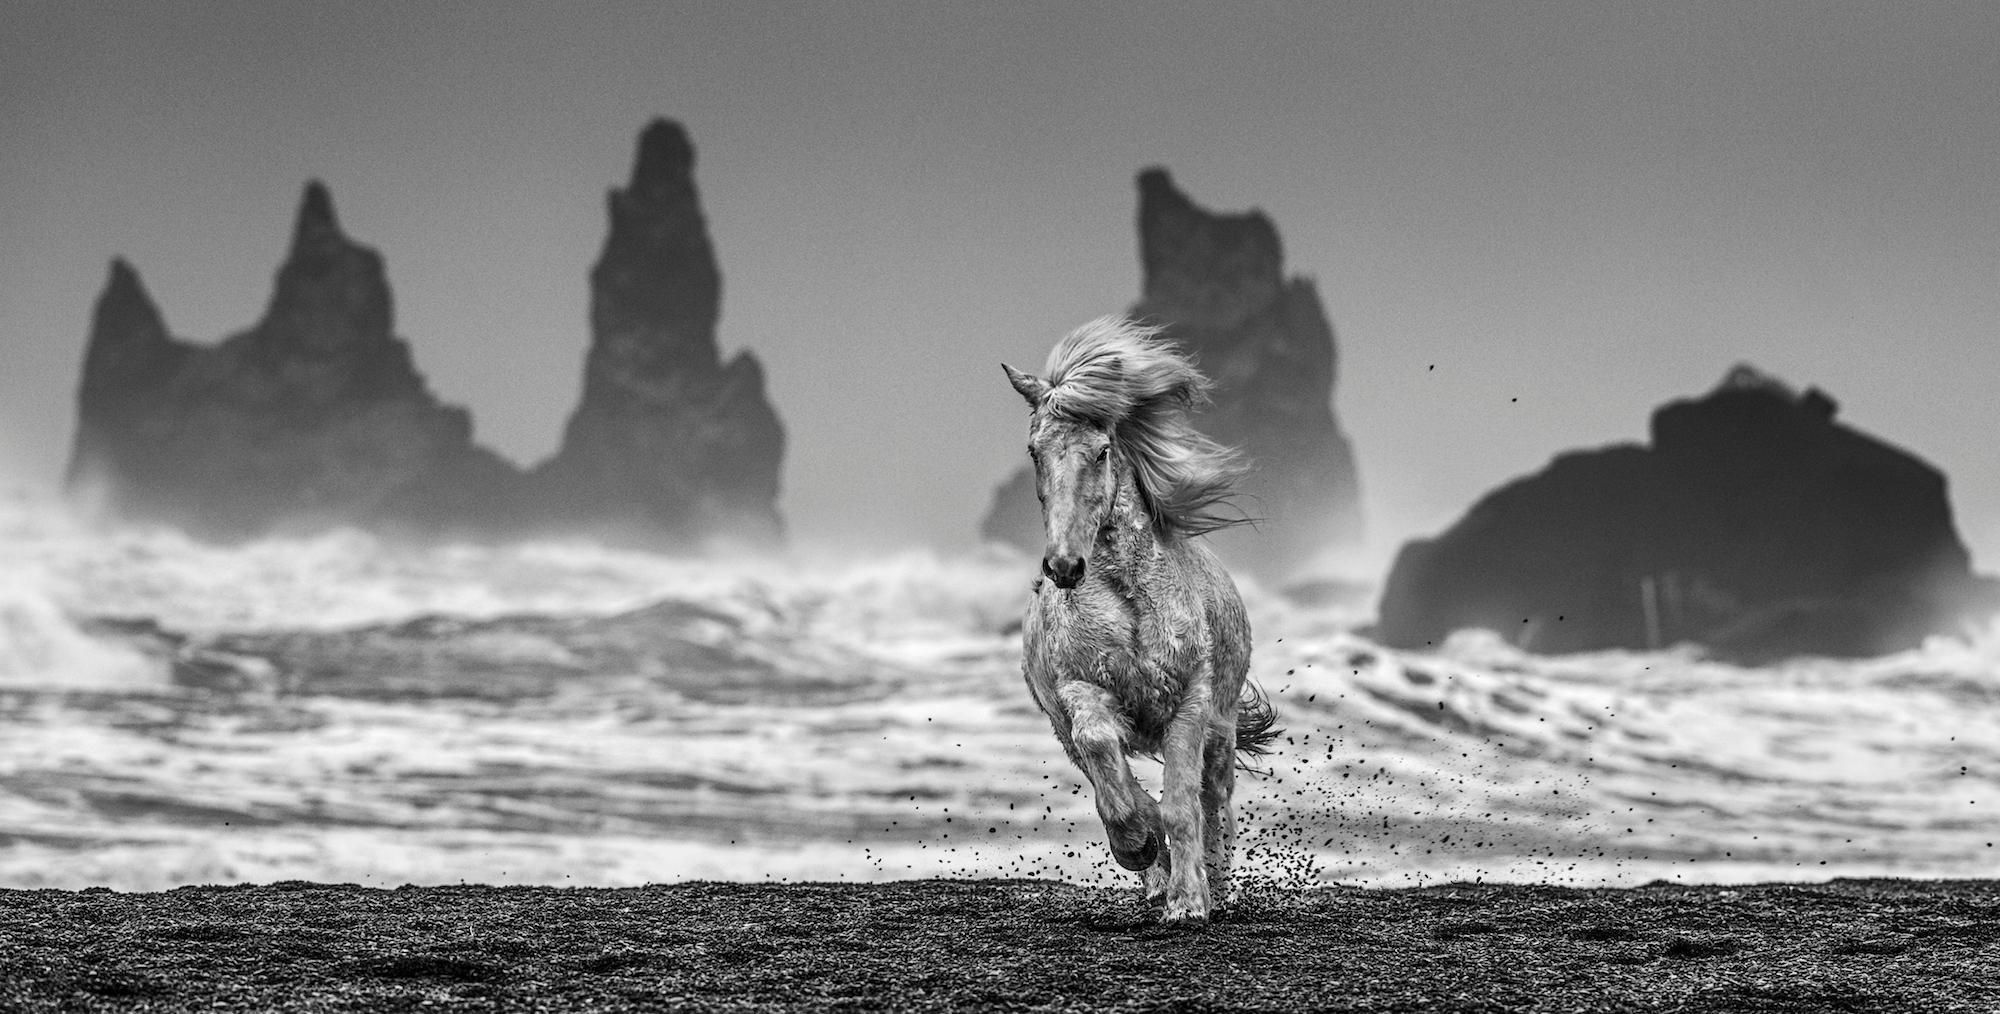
1097	737
1183	752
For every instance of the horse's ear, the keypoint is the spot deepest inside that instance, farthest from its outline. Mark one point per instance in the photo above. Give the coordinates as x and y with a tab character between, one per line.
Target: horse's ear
1030	386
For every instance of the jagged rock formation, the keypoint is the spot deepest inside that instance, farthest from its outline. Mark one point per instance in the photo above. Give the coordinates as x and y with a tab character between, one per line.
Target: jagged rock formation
1217	282
316	417
667	439
1754	525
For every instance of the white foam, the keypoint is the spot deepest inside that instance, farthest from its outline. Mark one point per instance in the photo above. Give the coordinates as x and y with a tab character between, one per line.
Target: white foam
1474	761
42	646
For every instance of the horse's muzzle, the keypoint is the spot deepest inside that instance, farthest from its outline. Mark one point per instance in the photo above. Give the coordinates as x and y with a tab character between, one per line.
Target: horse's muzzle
1065	571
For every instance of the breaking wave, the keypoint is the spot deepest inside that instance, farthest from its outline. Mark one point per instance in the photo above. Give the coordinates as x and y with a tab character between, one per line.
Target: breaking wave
339	709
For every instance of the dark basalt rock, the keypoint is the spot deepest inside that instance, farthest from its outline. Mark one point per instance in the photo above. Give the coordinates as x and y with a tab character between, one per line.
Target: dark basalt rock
668	440
1217	282
312	418
317	418
1754	525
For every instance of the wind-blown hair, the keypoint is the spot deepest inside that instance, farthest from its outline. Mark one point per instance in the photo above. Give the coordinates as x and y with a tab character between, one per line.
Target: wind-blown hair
1123	375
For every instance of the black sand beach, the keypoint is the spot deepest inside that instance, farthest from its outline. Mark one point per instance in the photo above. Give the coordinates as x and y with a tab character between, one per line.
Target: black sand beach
1876	945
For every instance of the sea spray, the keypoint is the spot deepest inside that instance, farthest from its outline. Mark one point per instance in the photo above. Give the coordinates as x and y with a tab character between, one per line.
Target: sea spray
564	713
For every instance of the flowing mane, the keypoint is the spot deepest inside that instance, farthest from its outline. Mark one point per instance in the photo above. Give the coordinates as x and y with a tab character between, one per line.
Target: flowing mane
1123	375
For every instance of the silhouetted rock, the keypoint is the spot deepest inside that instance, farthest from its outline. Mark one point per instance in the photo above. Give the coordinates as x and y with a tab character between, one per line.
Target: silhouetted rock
1217	282
1754	525
668	442
1015	517
314	417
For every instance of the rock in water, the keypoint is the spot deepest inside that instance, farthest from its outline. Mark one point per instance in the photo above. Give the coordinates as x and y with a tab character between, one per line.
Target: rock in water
669	443
1217	282
1754	525
315	417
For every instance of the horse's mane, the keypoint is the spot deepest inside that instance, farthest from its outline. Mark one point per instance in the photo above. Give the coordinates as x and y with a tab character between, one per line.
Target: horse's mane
1122	374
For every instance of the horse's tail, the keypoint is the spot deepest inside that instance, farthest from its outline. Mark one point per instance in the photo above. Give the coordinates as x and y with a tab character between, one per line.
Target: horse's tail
1256	722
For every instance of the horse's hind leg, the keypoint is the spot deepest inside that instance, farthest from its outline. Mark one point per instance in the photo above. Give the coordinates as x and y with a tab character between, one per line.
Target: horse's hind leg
1218	784
1097	735
1181	808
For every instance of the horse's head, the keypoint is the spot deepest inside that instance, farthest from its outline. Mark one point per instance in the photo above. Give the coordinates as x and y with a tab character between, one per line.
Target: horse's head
1075	479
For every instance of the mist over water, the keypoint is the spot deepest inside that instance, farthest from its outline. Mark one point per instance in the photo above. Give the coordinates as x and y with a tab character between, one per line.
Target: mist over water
338	709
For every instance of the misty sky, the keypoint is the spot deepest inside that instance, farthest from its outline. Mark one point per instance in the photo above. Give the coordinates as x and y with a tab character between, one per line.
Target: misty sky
1590	208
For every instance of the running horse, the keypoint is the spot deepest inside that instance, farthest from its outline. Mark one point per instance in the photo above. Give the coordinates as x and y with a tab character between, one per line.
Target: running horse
1136	640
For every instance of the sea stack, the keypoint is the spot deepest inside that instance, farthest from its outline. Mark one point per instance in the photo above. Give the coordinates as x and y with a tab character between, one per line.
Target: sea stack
316	417
1754	526
313	418
1217	283
669	443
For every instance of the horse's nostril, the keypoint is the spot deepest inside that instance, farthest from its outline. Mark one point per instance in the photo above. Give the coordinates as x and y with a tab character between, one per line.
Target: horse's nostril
1065	571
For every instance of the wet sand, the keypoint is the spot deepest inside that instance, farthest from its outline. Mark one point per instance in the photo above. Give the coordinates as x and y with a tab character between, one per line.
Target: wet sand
1875	945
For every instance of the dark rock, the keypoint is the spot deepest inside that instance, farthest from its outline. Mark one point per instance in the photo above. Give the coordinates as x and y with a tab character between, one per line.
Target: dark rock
312	418
317	418
1754	525
1217	282
669	442
1015	518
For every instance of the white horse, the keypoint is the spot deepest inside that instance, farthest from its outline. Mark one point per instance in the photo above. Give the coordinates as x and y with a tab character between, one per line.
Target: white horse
1136	639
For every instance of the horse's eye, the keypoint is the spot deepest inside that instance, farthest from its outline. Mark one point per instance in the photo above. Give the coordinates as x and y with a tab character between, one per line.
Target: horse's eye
1103	452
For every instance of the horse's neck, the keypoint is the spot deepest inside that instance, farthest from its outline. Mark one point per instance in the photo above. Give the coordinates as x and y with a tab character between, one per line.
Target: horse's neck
1132	543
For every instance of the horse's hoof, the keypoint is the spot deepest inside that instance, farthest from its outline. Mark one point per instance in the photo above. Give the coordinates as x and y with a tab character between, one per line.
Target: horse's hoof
1158	880
1184	916
1141	858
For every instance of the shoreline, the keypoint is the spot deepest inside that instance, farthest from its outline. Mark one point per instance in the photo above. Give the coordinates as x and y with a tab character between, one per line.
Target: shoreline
1853	945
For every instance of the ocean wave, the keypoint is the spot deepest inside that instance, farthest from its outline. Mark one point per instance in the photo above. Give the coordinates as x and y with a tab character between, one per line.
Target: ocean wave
42	645
866	719
349	578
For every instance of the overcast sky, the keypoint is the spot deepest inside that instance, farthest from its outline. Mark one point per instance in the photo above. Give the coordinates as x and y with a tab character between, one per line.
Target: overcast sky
1591	208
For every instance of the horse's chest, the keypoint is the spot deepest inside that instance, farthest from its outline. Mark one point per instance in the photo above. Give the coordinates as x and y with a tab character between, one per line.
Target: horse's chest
1142	657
